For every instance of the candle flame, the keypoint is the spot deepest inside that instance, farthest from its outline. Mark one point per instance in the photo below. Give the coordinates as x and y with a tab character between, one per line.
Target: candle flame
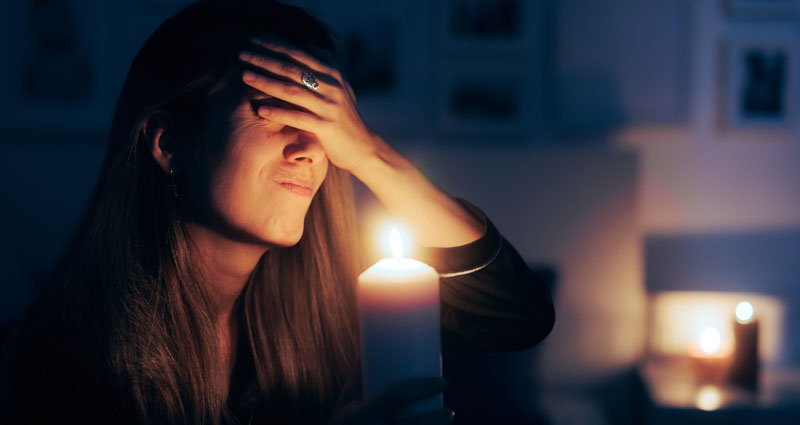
396	242
710	340
744	312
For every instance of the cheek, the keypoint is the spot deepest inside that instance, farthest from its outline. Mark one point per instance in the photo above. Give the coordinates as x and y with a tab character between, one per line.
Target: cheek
244	193
245	197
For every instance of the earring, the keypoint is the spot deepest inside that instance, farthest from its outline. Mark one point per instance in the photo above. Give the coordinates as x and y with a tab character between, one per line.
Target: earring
171	187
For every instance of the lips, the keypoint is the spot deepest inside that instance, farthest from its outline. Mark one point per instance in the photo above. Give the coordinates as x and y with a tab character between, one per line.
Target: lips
298	186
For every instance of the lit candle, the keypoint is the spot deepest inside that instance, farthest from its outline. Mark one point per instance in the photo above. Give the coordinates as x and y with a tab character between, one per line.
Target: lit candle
400	325
744	370
709	358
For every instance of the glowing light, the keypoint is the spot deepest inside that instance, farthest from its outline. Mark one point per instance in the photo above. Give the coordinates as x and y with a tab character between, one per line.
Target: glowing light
396	242
678	318
710	340
708	398
744	312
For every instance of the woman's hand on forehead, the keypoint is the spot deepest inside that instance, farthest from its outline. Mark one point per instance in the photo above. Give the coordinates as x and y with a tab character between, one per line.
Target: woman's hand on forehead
329	111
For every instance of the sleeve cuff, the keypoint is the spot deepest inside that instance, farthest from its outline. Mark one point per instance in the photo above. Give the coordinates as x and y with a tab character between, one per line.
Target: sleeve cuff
465	259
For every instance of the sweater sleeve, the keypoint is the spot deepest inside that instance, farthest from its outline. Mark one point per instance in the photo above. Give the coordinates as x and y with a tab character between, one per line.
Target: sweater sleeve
490	299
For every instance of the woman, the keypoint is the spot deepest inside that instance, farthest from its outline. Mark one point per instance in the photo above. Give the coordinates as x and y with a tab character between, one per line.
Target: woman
212	278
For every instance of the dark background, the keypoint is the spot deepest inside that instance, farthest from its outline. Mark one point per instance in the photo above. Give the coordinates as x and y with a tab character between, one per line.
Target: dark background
605	138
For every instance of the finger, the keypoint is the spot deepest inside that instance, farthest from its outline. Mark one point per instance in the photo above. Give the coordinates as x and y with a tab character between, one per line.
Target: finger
294	72
301	57
289	92
439	417
405	393
278	67
297	119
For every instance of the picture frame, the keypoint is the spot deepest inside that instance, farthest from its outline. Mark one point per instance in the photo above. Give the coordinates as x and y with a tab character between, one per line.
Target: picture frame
487	102
61	77
760	70
496	25
382	49
763	9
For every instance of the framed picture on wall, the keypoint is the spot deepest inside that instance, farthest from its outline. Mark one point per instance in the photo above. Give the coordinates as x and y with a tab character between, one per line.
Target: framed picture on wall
761	77
767	9
370	58
58	73
488	69
486	24
384	52
485	102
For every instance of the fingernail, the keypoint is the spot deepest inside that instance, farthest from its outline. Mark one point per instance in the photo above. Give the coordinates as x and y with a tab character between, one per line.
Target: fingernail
244	55
249	76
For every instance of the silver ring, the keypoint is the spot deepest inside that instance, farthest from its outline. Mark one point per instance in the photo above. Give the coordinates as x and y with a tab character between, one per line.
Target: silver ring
310	80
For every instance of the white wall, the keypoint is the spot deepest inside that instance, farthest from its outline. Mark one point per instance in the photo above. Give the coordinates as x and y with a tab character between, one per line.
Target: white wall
702	178
576	209
652	76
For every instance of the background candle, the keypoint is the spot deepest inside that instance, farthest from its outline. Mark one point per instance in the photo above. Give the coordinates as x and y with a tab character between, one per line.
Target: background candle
744	370
709	360
400	325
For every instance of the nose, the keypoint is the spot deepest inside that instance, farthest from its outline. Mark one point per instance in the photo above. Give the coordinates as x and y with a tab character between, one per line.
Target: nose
304	148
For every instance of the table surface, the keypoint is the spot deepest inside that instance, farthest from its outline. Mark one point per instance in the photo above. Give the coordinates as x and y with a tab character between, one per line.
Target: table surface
672	384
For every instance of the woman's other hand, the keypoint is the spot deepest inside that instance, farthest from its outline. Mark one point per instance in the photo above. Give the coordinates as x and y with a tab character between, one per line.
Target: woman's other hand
385	408
329	112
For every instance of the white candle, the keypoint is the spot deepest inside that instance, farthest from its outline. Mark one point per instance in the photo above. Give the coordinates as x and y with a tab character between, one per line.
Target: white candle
400	325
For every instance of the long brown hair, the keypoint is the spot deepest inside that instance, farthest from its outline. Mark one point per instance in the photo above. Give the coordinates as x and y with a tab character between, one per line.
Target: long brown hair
125	303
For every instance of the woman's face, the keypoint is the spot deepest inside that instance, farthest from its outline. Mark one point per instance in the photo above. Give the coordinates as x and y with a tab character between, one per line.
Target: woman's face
255	179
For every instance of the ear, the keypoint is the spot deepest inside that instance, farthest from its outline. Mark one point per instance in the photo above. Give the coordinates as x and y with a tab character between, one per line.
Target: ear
159	134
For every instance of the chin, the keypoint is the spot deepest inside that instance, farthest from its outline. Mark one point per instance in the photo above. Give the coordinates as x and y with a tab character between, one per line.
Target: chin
286	238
